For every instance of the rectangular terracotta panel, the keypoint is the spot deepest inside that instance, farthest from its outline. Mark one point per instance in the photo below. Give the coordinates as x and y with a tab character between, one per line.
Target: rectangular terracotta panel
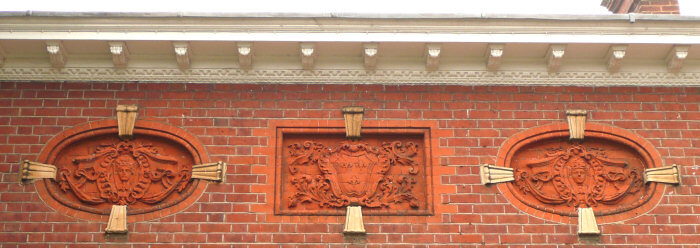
320	172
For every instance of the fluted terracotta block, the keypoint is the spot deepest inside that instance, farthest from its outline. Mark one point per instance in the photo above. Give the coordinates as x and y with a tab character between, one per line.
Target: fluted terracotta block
353	220
495	174
117	220
126	118
33	170
577	123
586	222
353	121
215	171
667	174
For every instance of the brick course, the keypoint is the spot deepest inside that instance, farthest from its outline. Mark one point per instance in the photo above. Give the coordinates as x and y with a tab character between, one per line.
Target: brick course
233	121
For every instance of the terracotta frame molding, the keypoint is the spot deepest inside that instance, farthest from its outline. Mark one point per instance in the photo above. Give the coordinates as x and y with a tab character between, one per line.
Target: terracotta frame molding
432	133
177	135
642	147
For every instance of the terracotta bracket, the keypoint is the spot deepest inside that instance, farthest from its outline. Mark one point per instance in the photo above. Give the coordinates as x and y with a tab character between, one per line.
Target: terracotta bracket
353	221
586	222
495	174
117	220
215	171
32	170
667	174
353	121
577	123
126	118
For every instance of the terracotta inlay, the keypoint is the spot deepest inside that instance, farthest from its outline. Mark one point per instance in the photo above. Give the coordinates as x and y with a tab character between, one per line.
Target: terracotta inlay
555	176
322	172
150	173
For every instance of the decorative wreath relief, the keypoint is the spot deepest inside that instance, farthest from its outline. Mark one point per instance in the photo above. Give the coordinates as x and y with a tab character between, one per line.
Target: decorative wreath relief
151	173
554	176
578	178
353	174
124	173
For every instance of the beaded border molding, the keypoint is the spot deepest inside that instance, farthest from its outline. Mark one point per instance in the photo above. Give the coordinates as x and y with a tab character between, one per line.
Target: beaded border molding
354	76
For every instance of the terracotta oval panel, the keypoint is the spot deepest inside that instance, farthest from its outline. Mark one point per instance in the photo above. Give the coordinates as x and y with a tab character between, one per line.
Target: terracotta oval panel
151	173
555	176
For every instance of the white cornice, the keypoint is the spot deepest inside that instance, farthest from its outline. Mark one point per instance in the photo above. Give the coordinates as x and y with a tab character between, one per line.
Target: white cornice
353	76
490	30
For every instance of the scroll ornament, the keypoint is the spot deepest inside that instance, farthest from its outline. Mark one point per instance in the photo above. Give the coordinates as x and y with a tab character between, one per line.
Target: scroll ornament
352	174
578	178
123	174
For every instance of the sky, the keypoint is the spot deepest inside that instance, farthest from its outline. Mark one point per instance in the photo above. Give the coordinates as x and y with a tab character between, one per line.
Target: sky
688	7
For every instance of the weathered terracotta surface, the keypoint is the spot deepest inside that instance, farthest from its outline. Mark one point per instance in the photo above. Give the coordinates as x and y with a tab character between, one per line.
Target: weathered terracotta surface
149	173
555	176
322	173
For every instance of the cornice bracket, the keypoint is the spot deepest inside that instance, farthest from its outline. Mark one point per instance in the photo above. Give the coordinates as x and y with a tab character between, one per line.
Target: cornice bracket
432	56
369	52
494	55
3	56
675	58
615	56
245	55
120	53
555	57
308	53
667	174
57	54
182	54
491	174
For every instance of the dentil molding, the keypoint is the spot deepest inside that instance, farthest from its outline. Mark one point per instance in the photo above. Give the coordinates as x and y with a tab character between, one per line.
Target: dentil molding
353	76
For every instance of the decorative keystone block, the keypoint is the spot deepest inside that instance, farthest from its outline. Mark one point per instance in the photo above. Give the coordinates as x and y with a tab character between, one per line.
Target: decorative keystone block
586	222
117	220
667	174
126	118
353	121
215	171
33	170
353	220
577	123
495	174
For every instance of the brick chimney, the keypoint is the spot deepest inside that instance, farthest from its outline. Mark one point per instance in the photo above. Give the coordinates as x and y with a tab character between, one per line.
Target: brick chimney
642	6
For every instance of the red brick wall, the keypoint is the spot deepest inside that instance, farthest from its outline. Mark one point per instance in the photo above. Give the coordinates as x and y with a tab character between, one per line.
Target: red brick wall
642	6
229	120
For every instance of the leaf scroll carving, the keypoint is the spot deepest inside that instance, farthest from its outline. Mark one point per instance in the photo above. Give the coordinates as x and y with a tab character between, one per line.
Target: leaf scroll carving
124	173
352	173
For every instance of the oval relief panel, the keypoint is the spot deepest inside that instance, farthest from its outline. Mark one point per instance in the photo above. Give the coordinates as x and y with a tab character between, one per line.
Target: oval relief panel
555	176
151	173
